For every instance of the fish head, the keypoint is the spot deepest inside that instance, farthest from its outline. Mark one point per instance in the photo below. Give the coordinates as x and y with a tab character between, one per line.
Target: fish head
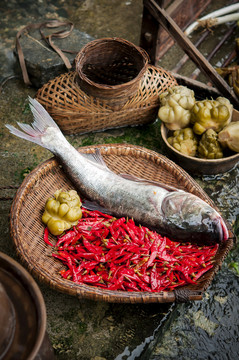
189	218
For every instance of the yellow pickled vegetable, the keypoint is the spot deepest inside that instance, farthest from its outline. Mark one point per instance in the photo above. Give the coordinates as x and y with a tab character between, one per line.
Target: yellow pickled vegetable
229	136
209	147
211	114
62	211
175	107
185	141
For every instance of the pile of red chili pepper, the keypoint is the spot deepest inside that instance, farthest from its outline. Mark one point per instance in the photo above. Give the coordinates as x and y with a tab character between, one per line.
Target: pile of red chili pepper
116	254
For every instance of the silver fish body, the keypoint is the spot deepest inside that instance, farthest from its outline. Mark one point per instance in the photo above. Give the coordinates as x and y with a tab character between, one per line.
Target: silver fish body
174	213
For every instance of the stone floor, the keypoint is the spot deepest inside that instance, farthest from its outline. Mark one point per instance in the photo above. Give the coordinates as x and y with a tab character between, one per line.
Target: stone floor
85	329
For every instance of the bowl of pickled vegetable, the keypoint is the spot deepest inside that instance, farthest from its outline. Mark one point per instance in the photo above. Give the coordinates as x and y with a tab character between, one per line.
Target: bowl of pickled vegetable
202	136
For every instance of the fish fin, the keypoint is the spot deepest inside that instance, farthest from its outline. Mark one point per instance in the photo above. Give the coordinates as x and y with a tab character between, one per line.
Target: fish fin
148	182
92	205
42	118
97	159
34	132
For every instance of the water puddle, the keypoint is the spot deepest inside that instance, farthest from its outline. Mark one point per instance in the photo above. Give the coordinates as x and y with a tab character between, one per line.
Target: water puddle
223	190
206	329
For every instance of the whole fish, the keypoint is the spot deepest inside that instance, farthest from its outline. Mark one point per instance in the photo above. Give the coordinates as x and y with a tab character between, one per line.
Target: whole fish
174	213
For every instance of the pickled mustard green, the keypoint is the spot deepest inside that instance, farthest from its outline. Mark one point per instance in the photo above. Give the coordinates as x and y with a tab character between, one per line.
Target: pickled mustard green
211	114
175	107
209	146
185	141
62	211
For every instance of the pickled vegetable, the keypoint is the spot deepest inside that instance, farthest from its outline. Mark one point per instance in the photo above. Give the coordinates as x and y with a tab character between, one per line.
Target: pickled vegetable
62	211
229	136
175	108
211	114
185	141
209	146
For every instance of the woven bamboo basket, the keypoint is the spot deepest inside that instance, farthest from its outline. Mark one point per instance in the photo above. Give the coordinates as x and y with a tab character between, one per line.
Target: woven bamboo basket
111	69
27	229
80	102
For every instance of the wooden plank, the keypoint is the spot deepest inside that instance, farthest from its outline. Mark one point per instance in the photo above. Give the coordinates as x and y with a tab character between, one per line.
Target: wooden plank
154	39
183	41
149	34
184	14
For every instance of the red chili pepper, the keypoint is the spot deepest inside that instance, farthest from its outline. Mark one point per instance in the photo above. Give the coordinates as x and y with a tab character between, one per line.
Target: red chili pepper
46	237
185	272
117	223
91	278
86	255
119	255
145	287
68	236
123	259
90	265
155	249
68	248
143	276
131	286
66	274
141	234
135	259
117	284
60	257
92	248
130	232
96	213
201	272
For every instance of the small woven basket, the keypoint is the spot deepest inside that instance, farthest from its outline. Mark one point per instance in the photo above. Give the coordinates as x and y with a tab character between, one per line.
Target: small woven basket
111	69
113	86
27	228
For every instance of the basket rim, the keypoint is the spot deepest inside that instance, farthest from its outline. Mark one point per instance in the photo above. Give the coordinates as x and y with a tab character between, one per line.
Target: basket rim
13	268
96	42
87	291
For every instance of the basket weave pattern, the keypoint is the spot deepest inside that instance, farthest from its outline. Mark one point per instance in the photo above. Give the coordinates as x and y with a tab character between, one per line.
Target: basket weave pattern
27	228
76	112
111	68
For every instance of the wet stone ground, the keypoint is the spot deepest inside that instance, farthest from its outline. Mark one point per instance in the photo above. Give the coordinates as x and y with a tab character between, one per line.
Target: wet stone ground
89	330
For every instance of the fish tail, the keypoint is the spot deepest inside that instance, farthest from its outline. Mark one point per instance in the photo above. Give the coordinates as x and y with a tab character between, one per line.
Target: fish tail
35	131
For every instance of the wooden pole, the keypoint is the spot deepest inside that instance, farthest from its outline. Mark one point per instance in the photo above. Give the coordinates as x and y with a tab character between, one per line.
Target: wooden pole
173	29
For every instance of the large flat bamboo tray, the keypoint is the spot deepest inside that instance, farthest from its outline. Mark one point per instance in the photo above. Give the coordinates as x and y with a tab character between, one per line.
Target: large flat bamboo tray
27	229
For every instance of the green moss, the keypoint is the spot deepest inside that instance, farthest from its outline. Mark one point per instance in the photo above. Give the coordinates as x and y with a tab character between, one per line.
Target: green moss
81	328
146	135
25	172
26	109
89	140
